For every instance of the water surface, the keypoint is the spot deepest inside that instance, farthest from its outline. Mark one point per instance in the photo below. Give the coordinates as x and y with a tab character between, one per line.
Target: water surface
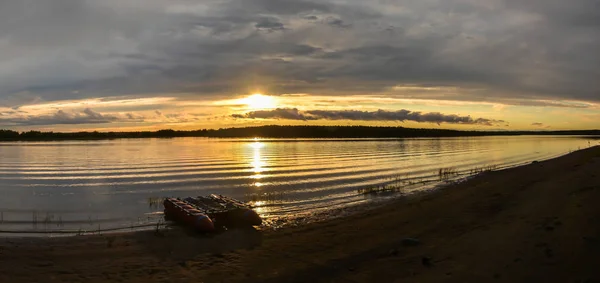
99	185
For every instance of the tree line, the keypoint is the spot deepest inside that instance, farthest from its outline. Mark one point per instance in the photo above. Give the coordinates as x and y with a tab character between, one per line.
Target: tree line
278	132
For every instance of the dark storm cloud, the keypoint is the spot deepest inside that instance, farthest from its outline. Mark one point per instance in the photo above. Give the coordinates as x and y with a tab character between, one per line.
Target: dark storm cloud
356	115
279	113
282	7
269	24
521	50
335	22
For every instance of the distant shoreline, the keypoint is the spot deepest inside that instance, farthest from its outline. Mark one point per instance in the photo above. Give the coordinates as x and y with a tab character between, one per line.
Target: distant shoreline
280	132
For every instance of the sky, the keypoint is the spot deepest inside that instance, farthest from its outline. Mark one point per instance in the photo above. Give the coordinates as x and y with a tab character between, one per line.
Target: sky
71	65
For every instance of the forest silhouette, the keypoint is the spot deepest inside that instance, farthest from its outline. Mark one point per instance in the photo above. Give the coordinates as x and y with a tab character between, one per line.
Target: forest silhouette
278	132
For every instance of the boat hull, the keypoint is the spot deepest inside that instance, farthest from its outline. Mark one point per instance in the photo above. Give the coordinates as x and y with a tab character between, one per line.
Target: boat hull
230	213
187	215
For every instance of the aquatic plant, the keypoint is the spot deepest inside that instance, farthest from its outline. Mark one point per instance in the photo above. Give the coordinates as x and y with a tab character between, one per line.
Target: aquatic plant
399	185
155	202
34	219
397	178
445	174
482	169
268	196
381	189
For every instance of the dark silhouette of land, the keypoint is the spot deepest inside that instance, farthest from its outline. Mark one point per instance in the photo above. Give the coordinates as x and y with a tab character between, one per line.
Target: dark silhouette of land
279	132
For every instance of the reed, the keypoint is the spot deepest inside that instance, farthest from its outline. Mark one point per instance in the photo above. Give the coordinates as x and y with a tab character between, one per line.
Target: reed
34	219
393	188
446	174
269	196
397	178
398	185
482	169
48	219
155	202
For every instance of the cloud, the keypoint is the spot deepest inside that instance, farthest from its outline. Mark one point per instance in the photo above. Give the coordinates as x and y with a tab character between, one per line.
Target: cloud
281	7
541	125
339	23
279	113
60	117
526	50
269	24
356	115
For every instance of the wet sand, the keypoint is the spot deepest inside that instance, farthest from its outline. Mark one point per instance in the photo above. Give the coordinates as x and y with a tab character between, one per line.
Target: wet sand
535	223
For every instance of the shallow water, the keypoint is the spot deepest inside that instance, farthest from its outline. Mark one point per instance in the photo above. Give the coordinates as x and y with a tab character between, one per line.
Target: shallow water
118	184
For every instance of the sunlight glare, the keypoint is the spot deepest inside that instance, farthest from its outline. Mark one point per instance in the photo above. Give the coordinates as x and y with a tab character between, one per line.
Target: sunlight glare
257	145
257	161
259	101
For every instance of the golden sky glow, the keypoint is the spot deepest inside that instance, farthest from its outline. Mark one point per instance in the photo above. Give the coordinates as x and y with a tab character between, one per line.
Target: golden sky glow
152	113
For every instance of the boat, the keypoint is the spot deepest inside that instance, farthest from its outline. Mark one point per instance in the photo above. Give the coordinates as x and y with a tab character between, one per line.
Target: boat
187	215
225	211
208	213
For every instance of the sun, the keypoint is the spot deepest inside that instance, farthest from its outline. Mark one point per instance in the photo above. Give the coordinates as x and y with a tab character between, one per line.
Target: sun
259	101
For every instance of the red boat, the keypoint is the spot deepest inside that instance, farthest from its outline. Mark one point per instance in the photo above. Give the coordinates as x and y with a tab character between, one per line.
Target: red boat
225	211
210	212
185	214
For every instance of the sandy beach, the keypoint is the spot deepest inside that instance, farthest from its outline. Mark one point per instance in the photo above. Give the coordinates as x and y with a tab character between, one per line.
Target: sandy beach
534	223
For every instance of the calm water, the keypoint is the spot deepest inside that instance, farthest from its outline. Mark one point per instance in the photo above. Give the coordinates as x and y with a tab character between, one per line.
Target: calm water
91	185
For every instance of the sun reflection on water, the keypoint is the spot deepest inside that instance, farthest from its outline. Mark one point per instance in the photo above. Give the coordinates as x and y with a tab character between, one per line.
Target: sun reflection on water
258	164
